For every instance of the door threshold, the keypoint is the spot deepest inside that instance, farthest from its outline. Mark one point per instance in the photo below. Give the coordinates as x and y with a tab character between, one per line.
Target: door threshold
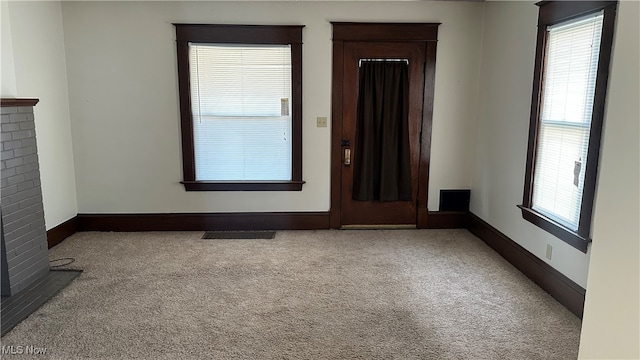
378	227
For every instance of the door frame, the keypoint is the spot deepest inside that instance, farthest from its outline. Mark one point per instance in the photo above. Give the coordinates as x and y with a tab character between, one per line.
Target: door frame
381	32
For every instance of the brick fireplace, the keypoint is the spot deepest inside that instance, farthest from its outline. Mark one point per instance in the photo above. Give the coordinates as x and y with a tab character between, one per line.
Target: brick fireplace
24	257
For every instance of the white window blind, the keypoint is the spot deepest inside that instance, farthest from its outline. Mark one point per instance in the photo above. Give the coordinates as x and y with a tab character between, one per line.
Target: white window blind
570	72
241	105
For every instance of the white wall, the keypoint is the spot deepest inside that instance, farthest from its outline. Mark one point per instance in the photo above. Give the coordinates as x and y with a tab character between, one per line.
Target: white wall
8	71
610	328
506	81
124	101
39	71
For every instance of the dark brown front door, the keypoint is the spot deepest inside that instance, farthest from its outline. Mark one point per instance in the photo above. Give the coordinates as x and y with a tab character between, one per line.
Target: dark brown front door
357	212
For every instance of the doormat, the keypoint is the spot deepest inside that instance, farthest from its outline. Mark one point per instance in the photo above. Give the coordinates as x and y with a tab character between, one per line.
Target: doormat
241	235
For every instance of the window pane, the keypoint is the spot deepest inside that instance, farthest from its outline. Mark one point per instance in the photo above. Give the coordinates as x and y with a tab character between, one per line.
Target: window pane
241	111
247	148
555	193
571	68
567	106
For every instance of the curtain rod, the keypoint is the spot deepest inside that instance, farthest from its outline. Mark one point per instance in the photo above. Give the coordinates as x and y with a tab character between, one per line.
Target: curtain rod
382	60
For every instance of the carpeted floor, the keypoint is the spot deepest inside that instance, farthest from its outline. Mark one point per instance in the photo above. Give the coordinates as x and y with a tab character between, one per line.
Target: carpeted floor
401	294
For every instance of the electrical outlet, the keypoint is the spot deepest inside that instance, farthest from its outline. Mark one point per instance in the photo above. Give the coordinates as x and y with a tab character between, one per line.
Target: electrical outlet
549	251
322	121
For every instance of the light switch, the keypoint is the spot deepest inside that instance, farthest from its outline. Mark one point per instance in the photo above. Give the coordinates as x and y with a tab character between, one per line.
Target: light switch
322	121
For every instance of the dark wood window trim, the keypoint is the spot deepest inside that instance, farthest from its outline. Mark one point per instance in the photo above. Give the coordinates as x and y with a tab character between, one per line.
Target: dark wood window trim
550	13
239	34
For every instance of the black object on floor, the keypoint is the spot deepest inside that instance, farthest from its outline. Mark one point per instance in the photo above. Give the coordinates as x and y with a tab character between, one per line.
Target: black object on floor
19	306
239	235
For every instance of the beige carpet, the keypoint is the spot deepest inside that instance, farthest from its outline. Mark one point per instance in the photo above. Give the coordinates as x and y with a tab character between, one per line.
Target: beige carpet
403	294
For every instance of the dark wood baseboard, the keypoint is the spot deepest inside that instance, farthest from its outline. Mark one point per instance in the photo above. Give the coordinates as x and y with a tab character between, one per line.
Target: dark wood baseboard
447	220
62	231
563	289
204	221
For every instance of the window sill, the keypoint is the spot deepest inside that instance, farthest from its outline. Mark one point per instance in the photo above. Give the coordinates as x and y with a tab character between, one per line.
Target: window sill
243	185
570	237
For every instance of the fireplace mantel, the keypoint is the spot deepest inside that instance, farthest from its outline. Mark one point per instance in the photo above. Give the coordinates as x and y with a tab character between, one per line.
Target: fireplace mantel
7	102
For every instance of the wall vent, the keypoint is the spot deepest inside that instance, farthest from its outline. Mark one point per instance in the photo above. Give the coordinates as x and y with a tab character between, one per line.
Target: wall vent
454	200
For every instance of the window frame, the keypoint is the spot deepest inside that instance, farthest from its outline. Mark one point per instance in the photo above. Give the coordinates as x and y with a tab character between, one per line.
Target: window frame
239	34
551	13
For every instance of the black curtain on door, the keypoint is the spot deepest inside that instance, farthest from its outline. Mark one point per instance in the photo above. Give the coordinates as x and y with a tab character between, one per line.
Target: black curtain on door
382	161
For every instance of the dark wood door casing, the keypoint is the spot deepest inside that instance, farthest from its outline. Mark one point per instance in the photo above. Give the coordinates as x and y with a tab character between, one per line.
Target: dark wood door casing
343	33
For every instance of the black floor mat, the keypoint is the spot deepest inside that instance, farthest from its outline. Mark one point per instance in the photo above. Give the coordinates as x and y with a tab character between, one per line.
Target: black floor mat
244	235
19	306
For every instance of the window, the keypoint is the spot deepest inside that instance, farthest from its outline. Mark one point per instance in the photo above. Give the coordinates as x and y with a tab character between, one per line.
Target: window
570	80
241	106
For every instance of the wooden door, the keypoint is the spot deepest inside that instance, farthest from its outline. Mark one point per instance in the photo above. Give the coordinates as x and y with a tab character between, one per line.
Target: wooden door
355	212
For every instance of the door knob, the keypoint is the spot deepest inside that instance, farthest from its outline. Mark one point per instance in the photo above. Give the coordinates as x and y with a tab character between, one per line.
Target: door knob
347	156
